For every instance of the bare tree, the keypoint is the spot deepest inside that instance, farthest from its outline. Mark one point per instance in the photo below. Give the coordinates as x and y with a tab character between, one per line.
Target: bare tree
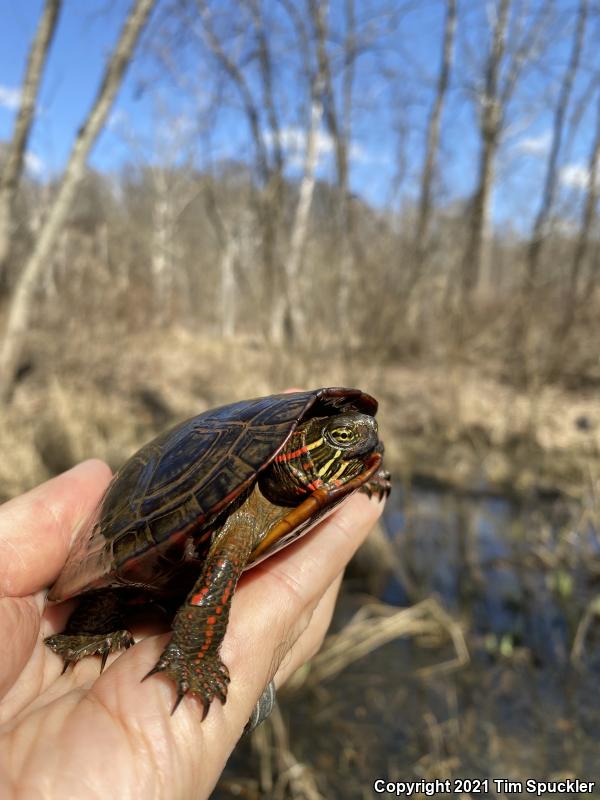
15	155
173	193
425	209
560	113
504	63
167	155
234	229
268	198
292	311
299	234
579	292
576	291
265	62
318	13
340	132
342	147
274	187
490	121
22	300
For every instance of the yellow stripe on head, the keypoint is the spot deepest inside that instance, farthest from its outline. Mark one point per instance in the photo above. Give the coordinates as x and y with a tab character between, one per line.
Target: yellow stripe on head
324	468
340	471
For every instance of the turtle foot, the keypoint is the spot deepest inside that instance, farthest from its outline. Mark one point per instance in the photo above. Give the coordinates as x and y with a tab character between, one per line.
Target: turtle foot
74	647
206	677
380	485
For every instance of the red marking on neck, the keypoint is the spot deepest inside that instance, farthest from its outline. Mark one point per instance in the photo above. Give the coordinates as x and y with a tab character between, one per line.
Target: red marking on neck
293	454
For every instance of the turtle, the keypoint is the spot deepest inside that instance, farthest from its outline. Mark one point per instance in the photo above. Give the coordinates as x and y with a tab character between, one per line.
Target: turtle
192	509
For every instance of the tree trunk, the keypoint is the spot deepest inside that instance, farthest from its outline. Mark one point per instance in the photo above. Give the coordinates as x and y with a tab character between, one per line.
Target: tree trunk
424	214
294	297
228	288
551	180
575	293
15	153
339	134
162	246
491	120
273	200
480	219
22	301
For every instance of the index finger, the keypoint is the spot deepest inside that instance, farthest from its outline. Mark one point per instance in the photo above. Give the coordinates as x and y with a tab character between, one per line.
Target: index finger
36	528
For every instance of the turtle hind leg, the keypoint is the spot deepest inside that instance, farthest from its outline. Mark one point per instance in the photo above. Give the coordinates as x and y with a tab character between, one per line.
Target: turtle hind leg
94	628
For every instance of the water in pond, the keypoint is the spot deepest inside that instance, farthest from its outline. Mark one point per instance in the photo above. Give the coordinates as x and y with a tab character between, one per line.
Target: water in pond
521	576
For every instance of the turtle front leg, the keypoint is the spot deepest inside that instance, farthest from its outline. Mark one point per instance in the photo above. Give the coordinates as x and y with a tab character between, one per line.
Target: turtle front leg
191	658
379	485
94	628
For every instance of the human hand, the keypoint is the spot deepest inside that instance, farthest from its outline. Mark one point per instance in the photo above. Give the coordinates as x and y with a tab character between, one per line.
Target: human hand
85	734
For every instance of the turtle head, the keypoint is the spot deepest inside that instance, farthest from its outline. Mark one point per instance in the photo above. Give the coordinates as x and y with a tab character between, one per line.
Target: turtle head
322	452
354	434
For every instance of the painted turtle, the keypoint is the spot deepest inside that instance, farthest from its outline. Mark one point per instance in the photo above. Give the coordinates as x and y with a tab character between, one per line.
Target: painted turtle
196	506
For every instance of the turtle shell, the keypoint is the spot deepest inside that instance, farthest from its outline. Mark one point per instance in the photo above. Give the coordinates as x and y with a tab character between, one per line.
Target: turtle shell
181	483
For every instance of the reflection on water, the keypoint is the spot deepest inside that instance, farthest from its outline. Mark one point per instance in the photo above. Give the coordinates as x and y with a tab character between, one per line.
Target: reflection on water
519	572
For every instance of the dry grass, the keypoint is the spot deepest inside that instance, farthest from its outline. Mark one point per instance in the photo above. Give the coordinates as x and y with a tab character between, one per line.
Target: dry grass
460	424
376	624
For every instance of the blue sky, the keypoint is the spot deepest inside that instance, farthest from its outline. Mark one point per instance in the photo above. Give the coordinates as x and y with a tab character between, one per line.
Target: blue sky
83	40
393	95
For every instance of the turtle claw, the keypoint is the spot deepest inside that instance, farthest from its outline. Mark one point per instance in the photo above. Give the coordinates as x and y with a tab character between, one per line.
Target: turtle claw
66	664
153	671
204	678
74	647
179	698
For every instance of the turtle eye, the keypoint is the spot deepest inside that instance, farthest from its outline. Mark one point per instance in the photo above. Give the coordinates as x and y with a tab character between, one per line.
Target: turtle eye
343	435
354	433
